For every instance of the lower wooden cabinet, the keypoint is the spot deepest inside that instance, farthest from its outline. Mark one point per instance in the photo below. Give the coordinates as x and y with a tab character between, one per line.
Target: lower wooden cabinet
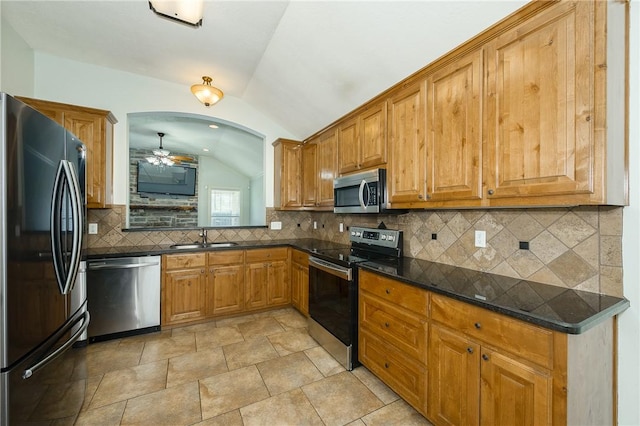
183	288
267	278
225	283
300	281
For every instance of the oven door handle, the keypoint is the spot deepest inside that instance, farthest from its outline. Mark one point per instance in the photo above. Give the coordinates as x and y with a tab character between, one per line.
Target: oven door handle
331	268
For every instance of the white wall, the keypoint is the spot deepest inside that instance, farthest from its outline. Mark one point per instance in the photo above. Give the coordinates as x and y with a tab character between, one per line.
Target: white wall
67	81
629	321
258	212
16	70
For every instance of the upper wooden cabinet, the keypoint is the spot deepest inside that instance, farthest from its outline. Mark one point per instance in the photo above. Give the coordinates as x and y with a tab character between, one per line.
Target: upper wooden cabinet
320	164
552	123
362	140
287	174
454	131
407	157
94	127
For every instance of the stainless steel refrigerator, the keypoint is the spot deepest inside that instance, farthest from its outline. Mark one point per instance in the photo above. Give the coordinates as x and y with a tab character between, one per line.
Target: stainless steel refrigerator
42	214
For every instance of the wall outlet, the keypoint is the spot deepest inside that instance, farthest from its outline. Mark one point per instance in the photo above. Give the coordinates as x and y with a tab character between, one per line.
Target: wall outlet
481	238
276	225
93	228
315	225
341	227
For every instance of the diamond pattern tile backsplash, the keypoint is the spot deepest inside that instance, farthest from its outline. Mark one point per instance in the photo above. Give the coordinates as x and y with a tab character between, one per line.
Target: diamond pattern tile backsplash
578	247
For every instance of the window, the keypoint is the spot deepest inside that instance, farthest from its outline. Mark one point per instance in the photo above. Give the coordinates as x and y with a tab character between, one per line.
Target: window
225	207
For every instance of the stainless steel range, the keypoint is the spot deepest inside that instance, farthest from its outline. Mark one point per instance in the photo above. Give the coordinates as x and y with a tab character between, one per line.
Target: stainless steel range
333	289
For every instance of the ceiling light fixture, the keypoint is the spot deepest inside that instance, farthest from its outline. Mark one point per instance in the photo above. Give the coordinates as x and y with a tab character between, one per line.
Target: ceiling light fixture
206	93
184	11
160	156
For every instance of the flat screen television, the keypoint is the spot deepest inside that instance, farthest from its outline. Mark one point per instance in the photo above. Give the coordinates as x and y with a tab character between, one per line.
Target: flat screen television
169	180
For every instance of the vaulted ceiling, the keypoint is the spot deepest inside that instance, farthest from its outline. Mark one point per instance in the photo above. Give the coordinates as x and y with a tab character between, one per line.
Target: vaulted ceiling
302	63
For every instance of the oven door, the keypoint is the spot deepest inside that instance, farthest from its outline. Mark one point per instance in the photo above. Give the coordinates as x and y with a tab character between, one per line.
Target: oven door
333	310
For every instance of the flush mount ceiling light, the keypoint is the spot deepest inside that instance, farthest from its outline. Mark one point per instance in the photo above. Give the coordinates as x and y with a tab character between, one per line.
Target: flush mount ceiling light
184	11
206	93
160	156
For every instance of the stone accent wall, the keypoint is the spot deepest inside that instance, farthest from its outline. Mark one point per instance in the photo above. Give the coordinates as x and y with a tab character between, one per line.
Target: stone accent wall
578	248
157	210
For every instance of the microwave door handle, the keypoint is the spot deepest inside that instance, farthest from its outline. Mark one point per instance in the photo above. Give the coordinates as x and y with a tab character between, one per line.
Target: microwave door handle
363	185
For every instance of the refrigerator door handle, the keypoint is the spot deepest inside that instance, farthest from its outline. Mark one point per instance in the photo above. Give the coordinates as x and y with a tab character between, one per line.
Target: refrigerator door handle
66	273
66	345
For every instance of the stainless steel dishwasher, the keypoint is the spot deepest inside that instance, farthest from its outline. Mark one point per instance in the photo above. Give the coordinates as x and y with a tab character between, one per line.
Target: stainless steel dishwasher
123	296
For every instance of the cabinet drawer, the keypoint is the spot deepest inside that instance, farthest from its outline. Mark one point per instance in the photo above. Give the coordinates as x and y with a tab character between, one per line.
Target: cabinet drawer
526	340
404	375
300	257
266	255
407	296
232	257
395	325
182	261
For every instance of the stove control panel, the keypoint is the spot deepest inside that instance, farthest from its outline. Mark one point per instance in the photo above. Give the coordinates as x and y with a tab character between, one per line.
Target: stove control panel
377	237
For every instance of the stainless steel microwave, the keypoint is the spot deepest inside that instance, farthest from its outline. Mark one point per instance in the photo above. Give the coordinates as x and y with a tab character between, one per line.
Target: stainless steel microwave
364	192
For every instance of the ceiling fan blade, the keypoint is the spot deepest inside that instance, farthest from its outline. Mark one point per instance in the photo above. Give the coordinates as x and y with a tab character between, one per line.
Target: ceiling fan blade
181	158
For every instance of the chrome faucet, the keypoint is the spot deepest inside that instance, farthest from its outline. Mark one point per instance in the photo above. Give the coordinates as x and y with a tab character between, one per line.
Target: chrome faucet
203	234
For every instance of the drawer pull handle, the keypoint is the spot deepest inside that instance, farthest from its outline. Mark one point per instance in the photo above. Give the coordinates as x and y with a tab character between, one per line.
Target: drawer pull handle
388	291
386	324
477	325
386	365
485	357
470	349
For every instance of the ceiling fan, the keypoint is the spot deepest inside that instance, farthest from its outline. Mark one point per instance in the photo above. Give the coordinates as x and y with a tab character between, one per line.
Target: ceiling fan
161	156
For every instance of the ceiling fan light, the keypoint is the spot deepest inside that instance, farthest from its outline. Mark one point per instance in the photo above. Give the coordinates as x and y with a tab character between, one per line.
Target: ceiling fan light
206	93
186	11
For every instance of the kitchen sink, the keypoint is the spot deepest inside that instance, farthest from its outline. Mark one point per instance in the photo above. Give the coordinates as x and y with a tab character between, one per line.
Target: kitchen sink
200	245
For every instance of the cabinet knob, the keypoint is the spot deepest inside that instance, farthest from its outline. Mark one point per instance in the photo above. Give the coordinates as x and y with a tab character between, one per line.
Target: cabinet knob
470	349
202	271
386	324
490	192
386	365
420	196
388	291
428	196
485	357
477	325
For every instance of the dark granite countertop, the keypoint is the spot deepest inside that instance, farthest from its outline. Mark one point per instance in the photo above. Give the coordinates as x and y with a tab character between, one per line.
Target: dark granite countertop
557	308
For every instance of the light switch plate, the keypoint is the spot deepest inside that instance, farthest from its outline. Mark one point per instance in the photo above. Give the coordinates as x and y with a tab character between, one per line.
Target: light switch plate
93	228
341	227
481	238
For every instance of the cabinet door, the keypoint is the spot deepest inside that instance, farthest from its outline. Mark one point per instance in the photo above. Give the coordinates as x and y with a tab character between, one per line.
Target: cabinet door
406	127
278	290
540	107
225	290
291	173
373	136
89	128
255	286
514	393
454	130
327	168
184	295
309	174
348	146
454	375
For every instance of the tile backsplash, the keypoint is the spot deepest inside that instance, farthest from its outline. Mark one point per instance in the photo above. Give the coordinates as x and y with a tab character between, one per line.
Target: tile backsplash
578	247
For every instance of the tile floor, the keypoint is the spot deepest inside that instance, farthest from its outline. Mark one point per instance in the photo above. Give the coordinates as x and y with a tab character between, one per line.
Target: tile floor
260	369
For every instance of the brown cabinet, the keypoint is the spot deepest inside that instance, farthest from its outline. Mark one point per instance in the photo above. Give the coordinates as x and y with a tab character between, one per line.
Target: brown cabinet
393	335
94	127
267	278
225	283
454	132
320	165
287	174
300	281
183	288
362	140
407	154
485	368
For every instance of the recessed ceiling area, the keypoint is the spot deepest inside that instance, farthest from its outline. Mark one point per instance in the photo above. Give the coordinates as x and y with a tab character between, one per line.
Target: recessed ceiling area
190	134
303	64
